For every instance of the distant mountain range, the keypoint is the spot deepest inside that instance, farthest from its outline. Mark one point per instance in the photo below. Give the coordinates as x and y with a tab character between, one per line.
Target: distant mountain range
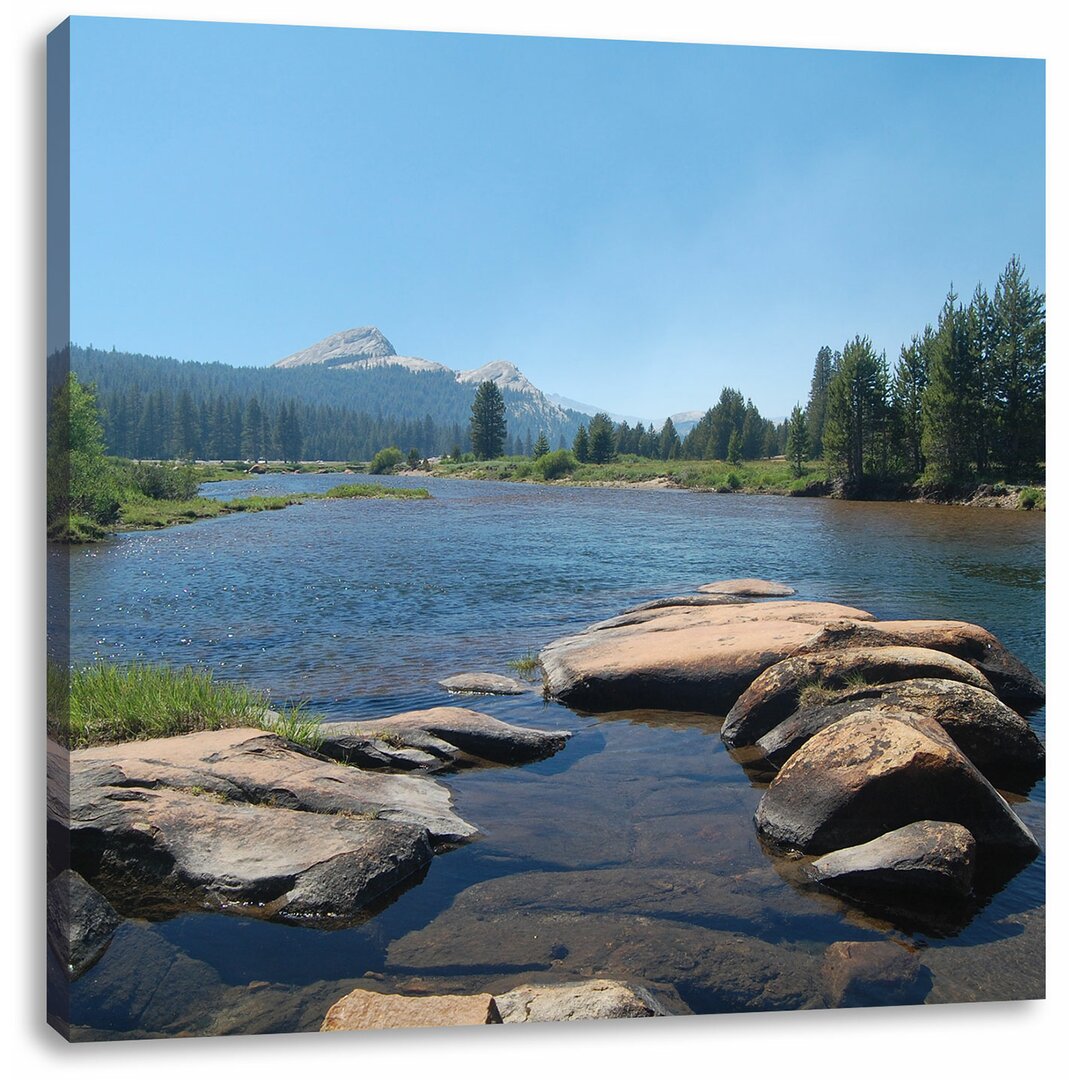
366	347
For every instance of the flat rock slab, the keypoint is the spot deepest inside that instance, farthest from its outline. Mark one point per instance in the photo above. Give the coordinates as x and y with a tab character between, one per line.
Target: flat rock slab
858	973
684	658
447	735
241	817
997	739
484	682
927	860
362	1010
747	587
878	770
779	690
80	922
594	999
682	601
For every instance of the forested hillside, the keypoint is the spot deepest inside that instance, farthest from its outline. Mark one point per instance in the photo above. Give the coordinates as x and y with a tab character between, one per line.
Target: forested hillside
158	407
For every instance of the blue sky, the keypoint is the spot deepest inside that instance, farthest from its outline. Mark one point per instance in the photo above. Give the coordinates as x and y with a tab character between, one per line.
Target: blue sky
635	225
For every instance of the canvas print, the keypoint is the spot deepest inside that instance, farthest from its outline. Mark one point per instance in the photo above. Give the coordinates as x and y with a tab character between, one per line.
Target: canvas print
539	529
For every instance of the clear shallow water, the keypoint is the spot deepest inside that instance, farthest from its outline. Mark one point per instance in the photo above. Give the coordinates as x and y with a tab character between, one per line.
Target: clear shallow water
361	606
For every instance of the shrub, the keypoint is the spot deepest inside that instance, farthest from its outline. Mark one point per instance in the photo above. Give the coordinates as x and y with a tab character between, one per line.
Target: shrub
161	481
733	481
556	464
385	460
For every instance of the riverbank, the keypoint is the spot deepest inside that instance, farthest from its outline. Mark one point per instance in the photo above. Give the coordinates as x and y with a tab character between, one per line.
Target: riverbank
142	514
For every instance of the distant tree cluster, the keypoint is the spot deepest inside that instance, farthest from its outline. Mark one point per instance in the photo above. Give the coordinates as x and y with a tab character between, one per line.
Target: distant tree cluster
734	430
967	397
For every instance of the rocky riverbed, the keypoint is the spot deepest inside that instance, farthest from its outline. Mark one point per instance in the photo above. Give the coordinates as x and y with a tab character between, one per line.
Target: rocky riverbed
887	753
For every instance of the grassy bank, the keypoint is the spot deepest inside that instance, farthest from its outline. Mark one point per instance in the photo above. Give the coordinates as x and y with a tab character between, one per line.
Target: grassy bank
110	703
757	477
139	511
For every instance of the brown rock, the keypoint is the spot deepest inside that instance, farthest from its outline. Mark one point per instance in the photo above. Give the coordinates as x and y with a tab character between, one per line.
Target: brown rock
80	921
483	682
448	735
682	601
997	739
362	1010
687	658
871	973
596	999
925	860
878	770
775	694
747	587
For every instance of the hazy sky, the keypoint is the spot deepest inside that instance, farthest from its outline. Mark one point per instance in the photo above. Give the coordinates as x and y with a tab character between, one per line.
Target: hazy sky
635	225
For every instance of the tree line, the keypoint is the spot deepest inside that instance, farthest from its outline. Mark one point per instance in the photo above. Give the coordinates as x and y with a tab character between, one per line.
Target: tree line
965	400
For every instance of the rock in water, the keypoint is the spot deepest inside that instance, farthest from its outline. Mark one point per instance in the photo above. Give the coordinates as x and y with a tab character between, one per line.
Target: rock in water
240	816
878	770
689	658
776	693
447	735
682	601
80	922
597	999
363	1009
871	973
483	682
927	860
747	586
997	739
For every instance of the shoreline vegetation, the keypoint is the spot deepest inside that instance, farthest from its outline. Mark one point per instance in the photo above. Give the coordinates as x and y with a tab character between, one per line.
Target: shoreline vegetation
105	704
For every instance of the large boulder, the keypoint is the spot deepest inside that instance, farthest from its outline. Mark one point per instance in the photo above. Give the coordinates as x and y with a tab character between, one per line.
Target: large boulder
594	999
926	860
878	770
242	818
1011	679
80	922
363	1009
687	658
747	587
997	739
446	735
779	690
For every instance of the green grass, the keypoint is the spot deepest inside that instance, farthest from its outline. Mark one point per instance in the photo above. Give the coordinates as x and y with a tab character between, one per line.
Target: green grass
373	491
1033	498
111	703
76	529
527	665
146	513
254	504
773	477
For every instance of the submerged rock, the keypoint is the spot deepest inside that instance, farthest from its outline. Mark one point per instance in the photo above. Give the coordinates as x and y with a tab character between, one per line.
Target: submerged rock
927	860
997	739
446	735
363	1009
776	693
484	682
595	999
684	658
858	973
242	817
80	922
682	601
878	770
747	587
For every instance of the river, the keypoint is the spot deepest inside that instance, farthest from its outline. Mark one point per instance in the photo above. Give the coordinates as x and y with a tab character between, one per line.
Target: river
358	607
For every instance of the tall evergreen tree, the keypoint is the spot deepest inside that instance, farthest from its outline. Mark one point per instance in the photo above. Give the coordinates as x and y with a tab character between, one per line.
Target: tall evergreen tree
541	446
581	444
601	439
488	427
816	405
798	444
669	441
855	405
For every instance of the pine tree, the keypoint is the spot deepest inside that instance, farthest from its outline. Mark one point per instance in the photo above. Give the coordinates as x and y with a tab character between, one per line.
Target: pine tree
601	439
908	386
542	446
824	370
948	412
855	406
669	441
735	447
581	444
488	428
798	443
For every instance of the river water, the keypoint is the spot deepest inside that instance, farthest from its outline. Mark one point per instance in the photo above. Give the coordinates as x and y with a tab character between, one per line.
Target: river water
358	607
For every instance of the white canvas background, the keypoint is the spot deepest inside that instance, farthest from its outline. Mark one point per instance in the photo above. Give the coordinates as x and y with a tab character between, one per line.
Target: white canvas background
992	1040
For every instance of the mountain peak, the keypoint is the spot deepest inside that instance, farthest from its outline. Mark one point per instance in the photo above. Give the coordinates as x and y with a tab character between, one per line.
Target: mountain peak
362	343
502	373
